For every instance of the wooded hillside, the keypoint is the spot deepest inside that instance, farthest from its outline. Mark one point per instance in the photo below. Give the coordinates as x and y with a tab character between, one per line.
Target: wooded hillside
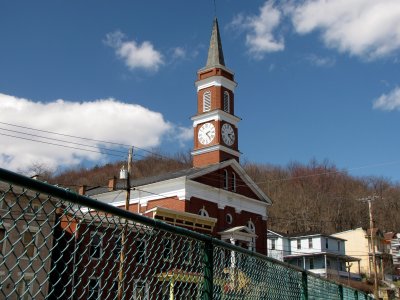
316	197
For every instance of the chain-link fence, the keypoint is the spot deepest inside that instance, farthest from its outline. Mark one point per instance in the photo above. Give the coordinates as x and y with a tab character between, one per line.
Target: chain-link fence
55	244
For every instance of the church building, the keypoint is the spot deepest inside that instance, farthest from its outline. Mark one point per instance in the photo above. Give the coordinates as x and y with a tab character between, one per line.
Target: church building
215	196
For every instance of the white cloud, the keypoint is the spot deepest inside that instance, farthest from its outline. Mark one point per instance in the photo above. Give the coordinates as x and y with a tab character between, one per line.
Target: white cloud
390	101
365	28
320	61
260	37
135	55
104	119
178	53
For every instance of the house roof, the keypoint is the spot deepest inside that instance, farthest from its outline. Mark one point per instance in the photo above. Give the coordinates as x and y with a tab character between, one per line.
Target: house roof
278	233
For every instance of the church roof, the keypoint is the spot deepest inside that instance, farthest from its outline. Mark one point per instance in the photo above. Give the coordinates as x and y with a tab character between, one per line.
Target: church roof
215	54
189	174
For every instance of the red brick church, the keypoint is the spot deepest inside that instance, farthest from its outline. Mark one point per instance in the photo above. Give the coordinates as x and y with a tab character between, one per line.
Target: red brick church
215	196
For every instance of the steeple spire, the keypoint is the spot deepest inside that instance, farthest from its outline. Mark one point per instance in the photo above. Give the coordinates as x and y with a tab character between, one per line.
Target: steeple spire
215	54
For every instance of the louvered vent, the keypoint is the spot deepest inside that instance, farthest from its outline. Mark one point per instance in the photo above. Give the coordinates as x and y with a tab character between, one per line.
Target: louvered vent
226	102
207	101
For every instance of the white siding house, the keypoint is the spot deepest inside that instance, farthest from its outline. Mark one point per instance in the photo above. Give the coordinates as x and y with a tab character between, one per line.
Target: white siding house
317	253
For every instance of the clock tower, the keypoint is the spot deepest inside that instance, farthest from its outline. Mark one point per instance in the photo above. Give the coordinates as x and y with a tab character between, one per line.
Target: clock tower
215	125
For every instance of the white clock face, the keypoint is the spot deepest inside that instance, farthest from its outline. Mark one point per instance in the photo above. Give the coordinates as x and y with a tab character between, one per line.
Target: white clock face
228	134
206	133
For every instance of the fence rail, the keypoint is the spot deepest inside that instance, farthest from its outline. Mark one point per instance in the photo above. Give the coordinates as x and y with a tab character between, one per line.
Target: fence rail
55	244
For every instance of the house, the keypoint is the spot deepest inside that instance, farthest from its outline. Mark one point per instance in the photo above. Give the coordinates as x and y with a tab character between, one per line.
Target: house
318	253
392	240
359	245
215	197
26	220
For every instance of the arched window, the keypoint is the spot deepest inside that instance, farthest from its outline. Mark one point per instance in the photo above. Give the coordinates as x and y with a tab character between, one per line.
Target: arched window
203	212
233	182
226	182
207	101
229	218
226	102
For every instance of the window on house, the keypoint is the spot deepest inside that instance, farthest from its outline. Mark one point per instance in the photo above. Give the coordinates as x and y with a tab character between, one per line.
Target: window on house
225	179
2	239
187	251
29	240
114	290
207	101
300	262
298	244
233	182
167	251
226	102
140	251
25	289
33	207
326	243
310	245
328	263
273	244
338	246
311	263
4	204
203	212
140	290
94	289
95	245
229	218
117	246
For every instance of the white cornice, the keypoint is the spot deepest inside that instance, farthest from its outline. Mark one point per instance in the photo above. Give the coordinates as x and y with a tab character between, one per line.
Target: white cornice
216	81
225	198
216	148
215	115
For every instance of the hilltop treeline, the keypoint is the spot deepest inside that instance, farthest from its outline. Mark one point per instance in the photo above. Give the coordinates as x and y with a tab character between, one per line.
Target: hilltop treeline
313	197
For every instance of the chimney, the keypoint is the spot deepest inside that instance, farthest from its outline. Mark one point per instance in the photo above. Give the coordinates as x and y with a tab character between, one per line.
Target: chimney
82	189
112	184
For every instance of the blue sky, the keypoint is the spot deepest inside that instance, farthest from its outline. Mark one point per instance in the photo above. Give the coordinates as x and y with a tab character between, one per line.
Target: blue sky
316	79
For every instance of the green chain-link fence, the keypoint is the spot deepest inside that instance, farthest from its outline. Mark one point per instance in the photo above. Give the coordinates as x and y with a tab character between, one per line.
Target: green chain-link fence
55	244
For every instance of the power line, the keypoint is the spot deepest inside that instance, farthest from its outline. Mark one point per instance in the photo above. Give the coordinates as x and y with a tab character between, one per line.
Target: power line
87	139
63	141
59	145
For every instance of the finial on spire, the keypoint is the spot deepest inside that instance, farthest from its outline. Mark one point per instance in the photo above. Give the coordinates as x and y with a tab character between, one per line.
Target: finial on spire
215	53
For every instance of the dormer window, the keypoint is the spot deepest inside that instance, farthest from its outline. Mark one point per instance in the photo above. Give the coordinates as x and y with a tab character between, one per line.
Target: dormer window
207	101
226	102
233	182
225	179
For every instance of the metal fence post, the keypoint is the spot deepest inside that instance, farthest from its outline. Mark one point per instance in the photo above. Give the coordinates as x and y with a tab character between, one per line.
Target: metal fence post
340	287
304	285
208	271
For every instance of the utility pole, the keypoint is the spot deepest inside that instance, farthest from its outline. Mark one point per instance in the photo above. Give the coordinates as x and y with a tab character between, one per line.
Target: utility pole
369	199
125	228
